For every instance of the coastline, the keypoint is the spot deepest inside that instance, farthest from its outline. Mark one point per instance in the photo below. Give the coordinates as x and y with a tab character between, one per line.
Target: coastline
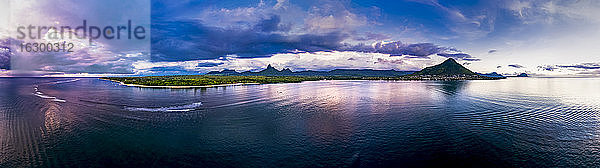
180	87
241	84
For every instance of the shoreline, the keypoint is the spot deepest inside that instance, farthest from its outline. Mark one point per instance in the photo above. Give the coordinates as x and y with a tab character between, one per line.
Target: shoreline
180	87
242	84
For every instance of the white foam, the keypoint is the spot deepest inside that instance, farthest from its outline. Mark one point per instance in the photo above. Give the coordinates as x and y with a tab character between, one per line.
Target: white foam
63	81
182	108
59	100
43	96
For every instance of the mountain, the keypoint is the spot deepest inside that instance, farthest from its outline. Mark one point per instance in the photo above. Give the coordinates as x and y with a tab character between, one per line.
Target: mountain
447	68
523	75
271	71
493	75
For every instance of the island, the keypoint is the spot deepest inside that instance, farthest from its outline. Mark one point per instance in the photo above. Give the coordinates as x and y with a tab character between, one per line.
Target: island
523	75
447	70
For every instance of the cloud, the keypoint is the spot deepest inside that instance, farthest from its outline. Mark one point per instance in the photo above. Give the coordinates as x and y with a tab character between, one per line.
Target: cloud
324	19
5	55
551	11
516	66
457	55
471	59
467	25
262	31
582	66
593	73
196	36
370	36
272	24
547	67
582	69
183	40
101	56
397	48
492	51
574	67
209	64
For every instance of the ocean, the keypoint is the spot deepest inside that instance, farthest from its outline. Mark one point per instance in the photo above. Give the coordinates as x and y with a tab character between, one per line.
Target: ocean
516	122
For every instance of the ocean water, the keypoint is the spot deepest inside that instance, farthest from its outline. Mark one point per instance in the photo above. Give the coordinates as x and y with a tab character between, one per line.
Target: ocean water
517	122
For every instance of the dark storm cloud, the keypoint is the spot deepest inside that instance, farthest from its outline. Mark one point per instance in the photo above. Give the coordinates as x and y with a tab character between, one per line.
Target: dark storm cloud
171	70
516	66
182	40
209	64
471	59
397	48
462	56
272	24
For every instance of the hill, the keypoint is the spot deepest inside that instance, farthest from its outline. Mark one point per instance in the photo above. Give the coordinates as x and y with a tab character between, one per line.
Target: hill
493	74
447	68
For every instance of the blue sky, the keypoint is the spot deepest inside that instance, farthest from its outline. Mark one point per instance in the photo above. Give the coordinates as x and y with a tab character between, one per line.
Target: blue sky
543	37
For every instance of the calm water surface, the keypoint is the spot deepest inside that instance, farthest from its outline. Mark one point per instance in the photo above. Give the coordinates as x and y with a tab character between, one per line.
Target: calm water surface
517	122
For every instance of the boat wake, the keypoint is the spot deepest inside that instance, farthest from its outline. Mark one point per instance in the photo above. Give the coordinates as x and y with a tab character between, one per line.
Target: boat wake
40	94
181	108
60	82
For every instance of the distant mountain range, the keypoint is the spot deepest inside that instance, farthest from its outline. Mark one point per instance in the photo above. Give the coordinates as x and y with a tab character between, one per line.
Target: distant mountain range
271	71
448	70
493	74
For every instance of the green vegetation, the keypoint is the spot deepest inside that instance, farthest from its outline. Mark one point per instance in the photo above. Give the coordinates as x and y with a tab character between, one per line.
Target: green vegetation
203	80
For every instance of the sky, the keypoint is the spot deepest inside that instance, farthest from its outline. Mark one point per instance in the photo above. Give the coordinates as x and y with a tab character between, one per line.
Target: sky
539	37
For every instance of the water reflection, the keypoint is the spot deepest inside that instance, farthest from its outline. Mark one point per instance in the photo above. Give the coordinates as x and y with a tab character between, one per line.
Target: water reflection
451	87
510	123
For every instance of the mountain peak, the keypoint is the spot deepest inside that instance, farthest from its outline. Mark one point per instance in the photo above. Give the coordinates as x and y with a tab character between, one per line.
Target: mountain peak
449	61
270	70
447	68
286	70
